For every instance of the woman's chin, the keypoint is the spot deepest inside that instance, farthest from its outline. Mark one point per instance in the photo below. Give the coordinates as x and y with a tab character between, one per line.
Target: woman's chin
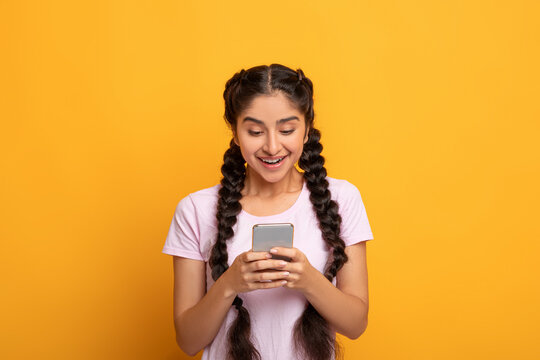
273	177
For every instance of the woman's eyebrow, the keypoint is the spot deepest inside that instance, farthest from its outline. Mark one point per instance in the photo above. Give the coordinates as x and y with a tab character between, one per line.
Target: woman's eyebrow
249	118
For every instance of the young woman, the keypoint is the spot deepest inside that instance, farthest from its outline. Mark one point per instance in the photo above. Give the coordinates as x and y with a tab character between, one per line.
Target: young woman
240	304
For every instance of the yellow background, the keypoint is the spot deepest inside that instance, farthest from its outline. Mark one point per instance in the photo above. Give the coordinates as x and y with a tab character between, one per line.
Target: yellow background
112	111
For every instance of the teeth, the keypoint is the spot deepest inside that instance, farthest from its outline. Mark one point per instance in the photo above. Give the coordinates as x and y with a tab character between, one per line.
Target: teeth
272	162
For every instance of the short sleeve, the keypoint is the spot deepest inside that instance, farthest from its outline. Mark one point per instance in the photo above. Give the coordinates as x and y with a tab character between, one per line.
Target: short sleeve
183	237
354	222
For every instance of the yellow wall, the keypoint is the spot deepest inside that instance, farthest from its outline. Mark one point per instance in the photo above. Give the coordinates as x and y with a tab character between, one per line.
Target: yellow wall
112	111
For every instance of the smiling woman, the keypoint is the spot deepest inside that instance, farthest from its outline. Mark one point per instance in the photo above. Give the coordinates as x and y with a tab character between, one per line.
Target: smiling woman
240	304
275	144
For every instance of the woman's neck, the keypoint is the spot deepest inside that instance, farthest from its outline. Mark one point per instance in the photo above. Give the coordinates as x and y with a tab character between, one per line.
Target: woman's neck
256	185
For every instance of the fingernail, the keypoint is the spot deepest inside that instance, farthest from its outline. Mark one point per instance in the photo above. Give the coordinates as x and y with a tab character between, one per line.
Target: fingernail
273	251
283	282
268	255
281	263
286	273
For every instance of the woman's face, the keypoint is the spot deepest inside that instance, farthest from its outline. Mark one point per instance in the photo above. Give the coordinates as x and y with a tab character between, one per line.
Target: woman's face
271	128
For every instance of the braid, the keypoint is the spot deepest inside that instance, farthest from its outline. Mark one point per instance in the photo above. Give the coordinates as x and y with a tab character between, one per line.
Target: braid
313	337
326	208
228	207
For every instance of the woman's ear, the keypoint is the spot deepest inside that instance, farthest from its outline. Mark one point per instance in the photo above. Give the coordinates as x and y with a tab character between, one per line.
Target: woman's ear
306	137
235	137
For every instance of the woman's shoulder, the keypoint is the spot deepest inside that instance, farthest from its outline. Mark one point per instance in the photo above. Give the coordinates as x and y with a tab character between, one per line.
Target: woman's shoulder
340	187
206	192
199	200
206	197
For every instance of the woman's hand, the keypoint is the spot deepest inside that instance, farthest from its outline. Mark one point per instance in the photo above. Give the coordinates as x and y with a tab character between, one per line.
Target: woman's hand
301	272
255	270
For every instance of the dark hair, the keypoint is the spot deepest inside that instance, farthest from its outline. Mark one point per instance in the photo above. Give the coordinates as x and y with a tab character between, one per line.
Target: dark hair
313	338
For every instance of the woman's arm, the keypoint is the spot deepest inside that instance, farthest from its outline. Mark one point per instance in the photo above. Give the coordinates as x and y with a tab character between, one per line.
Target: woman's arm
198	316
345	307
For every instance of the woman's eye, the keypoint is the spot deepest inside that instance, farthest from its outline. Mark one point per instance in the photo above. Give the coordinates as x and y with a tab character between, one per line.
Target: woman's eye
255	133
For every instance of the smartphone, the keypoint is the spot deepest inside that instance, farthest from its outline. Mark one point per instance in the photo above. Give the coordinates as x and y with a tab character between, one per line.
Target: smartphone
266	236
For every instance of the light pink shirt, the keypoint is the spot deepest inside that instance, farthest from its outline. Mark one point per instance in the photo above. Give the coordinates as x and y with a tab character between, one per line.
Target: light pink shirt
273	312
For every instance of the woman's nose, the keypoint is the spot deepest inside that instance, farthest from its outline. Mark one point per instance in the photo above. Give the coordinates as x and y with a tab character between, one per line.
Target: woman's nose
272	146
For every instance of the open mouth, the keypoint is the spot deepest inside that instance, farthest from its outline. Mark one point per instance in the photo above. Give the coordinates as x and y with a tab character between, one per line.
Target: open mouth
273	162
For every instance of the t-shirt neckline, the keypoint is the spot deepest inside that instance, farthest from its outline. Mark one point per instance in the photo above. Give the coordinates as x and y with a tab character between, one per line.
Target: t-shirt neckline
284	213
